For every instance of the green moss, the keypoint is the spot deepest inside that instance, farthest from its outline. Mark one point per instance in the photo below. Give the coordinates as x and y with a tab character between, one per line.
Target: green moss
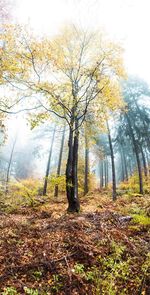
10	291
141	219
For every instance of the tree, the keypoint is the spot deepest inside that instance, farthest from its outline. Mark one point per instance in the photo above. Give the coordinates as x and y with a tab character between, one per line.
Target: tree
136	150
112	163
49	162
106	171
101	168
135	121
86	173
60	159
73	74
123	149
135	91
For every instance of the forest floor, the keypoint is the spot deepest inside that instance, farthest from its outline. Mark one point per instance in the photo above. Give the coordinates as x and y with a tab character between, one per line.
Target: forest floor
102	250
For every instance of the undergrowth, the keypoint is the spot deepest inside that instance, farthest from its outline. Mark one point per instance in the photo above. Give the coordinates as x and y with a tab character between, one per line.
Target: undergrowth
96	252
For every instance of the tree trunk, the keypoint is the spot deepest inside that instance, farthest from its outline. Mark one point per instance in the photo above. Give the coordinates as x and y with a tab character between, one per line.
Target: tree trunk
148	161
69	167
114	194
71	170
122	165
106	172
101	175
144	163
9	165
136	154
125	164
48	163
75	167
86	174
60	160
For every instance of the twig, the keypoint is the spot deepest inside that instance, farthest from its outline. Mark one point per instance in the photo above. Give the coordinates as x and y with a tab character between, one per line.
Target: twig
49	265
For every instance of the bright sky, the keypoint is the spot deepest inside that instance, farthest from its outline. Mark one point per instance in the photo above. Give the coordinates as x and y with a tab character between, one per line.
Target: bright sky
126	20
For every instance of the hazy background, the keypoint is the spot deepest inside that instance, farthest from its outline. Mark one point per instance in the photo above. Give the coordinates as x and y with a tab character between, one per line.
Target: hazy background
126	21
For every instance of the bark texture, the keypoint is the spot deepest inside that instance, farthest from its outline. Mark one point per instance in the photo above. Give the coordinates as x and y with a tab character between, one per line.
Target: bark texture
86	172
71	170
114	194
